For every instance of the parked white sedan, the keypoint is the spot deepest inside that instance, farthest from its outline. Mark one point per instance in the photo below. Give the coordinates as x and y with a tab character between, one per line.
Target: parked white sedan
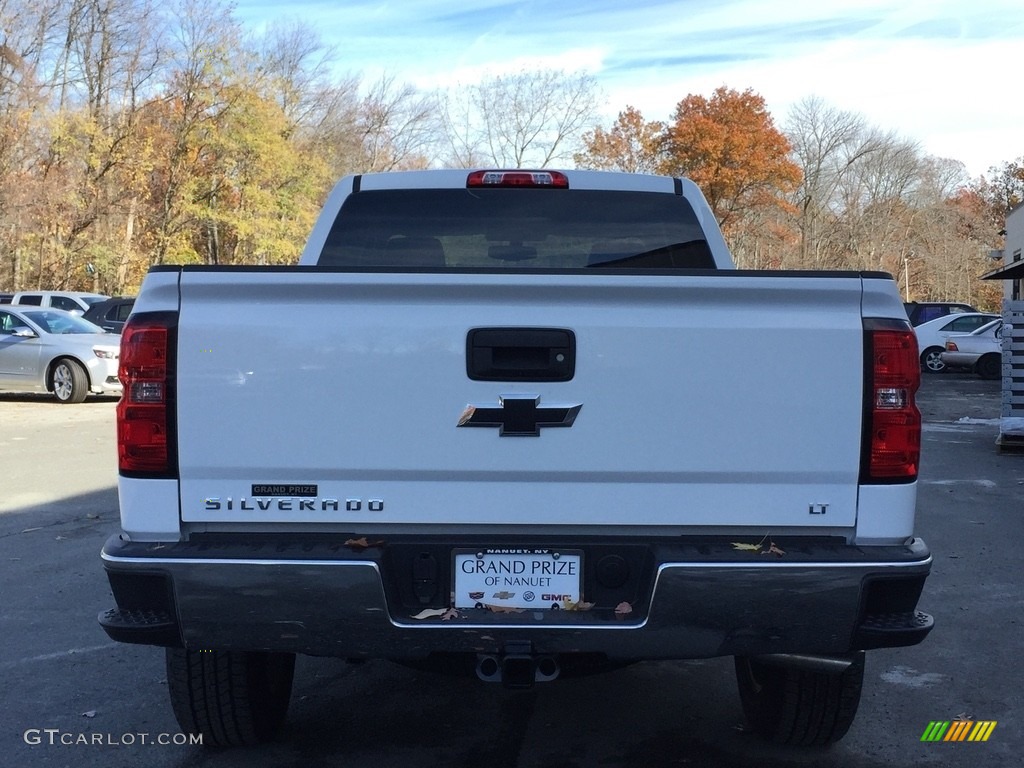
50	350
980	350
931	336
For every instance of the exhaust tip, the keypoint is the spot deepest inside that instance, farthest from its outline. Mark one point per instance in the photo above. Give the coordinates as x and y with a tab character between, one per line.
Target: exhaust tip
548	669
488	669
517	670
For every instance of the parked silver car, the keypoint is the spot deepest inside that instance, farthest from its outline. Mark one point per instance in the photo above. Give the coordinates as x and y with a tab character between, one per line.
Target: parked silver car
980	350
50	350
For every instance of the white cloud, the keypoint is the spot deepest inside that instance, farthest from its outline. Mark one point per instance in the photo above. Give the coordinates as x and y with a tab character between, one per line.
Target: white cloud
930	70
576	60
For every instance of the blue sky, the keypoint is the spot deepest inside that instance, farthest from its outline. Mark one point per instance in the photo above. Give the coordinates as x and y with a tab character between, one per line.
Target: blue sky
939	72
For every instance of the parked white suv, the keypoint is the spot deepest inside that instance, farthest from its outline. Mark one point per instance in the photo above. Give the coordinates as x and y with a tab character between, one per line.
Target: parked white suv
72	301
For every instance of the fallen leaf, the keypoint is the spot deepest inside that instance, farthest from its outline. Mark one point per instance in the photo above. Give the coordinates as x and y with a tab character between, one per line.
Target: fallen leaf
580	606
502	608
362	543
92	517
430	613
746	547
451	613
90	713
623	609
760	547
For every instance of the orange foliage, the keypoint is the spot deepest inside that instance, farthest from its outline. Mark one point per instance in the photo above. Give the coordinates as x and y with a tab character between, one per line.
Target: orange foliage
631	145
730	147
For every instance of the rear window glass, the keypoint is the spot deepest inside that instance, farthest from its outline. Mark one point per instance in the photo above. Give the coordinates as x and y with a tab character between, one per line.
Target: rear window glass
63	302
516	229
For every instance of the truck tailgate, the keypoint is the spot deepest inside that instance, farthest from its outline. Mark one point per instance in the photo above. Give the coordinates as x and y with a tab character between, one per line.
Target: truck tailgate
312	396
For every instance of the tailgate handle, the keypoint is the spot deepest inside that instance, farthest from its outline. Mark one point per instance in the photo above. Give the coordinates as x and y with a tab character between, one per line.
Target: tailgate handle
521	354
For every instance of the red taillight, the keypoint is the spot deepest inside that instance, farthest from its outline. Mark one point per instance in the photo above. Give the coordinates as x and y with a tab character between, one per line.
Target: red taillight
145	415
892	429
536	179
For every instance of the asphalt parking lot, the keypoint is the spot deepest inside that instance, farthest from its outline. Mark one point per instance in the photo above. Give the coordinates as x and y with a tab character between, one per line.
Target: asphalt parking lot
71	697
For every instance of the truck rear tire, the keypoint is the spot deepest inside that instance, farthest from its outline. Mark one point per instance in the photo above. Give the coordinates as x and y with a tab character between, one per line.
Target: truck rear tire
797	706
232	698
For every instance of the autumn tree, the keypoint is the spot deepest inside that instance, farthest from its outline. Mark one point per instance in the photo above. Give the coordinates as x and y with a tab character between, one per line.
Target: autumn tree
291	65
1004	190
81	65
183	125
396	126
632	145
25	89
871	199
110	68
827	145
530	118
728	144
236	174
880	213
260	193
951	239
134	132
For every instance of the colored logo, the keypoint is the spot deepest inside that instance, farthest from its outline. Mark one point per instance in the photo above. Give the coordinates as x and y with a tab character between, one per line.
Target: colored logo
958	730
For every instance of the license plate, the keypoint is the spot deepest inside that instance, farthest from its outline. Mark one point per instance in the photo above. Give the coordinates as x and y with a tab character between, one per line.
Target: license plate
537	579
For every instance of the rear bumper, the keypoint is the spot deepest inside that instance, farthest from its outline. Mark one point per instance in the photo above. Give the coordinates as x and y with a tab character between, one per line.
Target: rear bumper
960	359
689	599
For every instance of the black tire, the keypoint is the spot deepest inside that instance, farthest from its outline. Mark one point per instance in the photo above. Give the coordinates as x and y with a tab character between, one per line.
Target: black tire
797	706
69	381
232	698
990	366
931	360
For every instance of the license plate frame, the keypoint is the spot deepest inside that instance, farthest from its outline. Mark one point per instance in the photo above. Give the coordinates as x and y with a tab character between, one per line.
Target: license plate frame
544	579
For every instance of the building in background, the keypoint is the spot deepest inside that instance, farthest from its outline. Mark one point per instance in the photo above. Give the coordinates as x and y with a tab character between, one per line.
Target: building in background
1011	420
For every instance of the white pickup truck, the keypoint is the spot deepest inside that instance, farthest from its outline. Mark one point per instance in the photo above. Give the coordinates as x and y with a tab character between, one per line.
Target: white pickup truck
524	422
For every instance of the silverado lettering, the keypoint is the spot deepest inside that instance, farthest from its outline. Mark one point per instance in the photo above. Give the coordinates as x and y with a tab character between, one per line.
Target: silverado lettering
216	504
634	529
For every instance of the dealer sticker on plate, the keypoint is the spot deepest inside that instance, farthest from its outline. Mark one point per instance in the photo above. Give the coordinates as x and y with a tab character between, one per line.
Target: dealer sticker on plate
517	578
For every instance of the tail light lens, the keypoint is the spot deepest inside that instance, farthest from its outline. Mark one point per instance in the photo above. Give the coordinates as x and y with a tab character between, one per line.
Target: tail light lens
145	415
892	422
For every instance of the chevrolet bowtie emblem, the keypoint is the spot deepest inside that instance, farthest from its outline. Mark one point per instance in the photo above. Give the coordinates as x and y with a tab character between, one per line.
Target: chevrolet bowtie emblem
519	416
